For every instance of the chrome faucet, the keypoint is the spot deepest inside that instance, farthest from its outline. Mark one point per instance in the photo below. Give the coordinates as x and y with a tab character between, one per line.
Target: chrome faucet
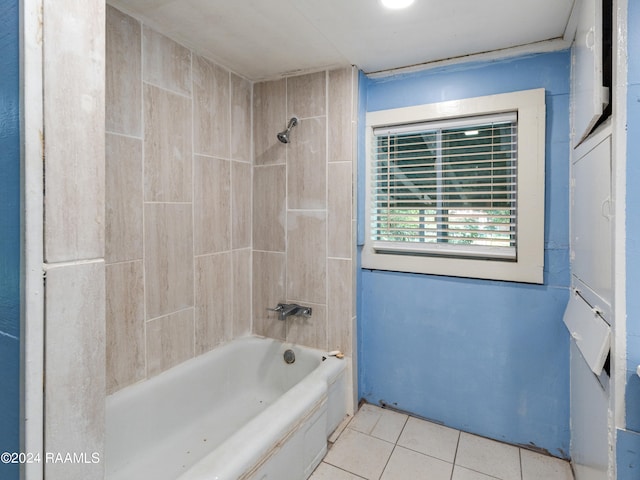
287	309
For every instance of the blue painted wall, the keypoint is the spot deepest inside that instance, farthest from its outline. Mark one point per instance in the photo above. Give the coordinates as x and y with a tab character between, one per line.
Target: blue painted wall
9	233
628	455
628	443
486	357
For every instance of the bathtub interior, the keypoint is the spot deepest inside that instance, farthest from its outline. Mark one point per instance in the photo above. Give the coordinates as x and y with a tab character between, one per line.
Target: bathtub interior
184	414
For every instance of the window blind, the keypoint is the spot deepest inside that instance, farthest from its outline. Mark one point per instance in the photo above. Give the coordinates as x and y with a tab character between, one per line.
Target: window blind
446	188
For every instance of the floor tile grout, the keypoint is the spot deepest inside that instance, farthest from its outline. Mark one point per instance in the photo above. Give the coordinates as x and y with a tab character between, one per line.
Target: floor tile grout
372	436
424	454
477	471
455	455
388	459
343	470
520	458
395	443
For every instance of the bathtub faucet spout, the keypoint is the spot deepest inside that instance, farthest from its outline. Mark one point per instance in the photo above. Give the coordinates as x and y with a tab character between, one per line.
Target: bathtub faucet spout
287	309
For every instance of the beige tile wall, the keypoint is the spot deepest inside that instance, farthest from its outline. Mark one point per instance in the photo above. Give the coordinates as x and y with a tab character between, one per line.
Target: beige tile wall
303	221
178	203
73	77
200	240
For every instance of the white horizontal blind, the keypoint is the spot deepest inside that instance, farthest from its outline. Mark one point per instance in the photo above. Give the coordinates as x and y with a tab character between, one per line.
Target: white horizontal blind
446	188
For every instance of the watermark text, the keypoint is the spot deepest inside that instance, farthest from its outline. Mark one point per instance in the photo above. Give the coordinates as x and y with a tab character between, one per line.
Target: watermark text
50	457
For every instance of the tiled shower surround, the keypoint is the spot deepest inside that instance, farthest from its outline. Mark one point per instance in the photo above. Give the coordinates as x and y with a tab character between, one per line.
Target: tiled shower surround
303	207
178	215
208	217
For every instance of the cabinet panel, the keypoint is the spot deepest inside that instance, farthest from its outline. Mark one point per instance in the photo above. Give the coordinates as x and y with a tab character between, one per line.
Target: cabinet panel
591	220
590	97
589	422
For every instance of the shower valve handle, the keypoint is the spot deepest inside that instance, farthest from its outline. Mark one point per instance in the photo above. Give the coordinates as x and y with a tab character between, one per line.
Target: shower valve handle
287	309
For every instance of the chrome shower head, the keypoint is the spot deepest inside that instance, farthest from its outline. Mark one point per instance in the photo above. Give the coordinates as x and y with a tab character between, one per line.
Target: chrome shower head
284	136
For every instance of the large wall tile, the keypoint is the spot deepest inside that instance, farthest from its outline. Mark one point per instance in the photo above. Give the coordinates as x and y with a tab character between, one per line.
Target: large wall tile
169	341
212	205
355	100
317	210
124	74
123	229
340	106
269	208
269	272
307	165
167	146
168	258
314	191
211	109
311	331
74	209
214	301
339	209
74	82
74	386
269	118
166	63
195	204
241	186
240	119
306	95
339	284
241	292
306	256
125	325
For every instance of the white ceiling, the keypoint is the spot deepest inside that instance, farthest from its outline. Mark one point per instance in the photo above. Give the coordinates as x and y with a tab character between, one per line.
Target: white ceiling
267	38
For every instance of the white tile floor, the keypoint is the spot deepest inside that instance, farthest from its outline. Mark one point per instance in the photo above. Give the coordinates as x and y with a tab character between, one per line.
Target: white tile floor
380	444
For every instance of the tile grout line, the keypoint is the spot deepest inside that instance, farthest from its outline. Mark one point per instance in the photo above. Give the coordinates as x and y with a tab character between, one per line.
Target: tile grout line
395	443
406	420
370	433
455	455
233	274
520	459
125	135
341	469
388	460
453	463
251	175
143	98
426	454
167	89
194	261
326	208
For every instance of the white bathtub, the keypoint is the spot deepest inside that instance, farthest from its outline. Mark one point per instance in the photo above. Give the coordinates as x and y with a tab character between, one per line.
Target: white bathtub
237	412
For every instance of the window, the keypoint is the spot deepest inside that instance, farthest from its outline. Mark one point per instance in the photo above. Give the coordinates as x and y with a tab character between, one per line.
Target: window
446	187
457	188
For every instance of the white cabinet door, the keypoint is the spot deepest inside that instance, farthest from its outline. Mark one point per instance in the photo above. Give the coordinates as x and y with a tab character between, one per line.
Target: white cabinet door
590	332
589	421
591	220
590	97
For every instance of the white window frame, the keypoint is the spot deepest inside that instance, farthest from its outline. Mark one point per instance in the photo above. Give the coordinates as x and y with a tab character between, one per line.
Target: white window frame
528	267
